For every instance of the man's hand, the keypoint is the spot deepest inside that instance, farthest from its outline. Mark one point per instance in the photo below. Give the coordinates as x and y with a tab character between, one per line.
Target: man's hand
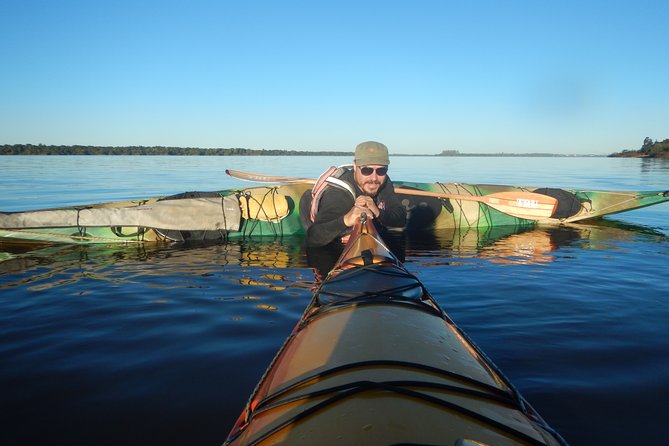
362	204
368	203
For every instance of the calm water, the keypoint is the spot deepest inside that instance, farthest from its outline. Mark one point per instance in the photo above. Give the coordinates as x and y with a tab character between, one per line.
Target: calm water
162	345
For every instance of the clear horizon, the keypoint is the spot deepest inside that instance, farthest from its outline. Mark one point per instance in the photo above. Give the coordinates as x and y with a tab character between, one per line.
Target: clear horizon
525	77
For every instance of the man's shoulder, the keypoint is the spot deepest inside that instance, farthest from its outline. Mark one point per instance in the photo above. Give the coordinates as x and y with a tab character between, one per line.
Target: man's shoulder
336	192
342	184
347	175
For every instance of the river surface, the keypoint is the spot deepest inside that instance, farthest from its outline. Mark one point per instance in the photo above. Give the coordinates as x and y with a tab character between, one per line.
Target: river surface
141	345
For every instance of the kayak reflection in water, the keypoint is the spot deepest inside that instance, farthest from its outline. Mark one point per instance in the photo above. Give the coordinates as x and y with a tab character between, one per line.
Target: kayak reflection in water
342	194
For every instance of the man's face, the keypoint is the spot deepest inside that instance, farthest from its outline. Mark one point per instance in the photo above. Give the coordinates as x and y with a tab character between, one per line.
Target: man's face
370	184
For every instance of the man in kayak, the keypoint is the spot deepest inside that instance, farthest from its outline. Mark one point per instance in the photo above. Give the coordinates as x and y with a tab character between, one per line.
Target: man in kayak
369	190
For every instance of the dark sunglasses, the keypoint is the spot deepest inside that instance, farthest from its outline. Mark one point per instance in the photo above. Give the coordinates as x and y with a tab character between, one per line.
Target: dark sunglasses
367	171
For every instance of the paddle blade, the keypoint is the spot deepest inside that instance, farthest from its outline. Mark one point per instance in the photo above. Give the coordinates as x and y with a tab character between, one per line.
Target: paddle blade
527	205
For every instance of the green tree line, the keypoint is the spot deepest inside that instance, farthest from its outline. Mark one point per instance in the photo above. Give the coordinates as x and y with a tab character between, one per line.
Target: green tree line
41	149
649	149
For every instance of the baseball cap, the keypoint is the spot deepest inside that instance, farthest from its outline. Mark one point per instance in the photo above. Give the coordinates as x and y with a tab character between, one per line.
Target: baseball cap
371	152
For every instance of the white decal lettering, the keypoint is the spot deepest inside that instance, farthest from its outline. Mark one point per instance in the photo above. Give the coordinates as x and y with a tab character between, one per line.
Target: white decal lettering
524	203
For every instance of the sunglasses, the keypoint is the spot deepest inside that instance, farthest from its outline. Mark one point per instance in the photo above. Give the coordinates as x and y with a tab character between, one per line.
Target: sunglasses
367	171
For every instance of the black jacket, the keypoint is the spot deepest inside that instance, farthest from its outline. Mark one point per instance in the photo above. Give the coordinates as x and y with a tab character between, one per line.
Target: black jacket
336	202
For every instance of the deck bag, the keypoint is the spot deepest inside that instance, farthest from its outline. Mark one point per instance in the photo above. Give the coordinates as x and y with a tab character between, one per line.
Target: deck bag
202	213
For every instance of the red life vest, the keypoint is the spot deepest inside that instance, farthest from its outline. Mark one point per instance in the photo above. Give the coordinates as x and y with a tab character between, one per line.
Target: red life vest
328	178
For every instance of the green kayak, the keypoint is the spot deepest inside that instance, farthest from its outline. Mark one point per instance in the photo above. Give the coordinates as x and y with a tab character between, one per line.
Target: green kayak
274	211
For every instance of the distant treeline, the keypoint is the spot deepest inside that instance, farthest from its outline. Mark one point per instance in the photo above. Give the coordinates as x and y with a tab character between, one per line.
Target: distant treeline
649	149
41	149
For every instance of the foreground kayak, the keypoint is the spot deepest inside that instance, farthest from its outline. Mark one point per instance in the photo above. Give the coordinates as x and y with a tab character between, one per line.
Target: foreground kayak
375	361
279	211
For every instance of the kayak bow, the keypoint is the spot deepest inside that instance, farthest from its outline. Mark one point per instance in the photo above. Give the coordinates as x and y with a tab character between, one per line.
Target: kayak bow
375	360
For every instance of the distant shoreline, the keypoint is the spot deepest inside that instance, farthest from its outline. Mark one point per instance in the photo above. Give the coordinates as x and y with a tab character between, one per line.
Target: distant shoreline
650	149
30	149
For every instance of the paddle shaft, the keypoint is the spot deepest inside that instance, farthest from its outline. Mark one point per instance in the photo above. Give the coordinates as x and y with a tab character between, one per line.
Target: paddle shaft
520	204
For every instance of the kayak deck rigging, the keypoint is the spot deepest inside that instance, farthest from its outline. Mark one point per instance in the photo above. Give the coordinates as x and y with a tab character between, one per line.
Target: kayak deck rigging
411	388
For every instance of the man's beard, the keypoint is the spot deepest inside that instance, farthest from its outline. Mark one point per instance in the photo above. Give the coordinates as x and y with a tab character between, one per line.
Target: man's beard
371	182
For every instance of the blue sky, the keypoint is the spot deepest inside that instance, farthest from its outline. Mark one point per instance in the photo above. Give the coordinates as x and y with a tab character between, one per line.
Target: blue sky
580	77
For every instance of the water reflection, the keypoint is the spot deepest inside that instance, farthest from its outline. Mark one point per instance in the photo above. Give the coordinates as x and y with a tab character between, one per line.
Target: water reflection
44	266
523	245
654	165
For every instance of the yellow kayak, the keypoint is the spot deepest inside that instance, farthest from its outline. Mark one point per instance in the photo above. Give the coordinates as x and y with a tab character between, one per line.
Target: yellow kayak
375	361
